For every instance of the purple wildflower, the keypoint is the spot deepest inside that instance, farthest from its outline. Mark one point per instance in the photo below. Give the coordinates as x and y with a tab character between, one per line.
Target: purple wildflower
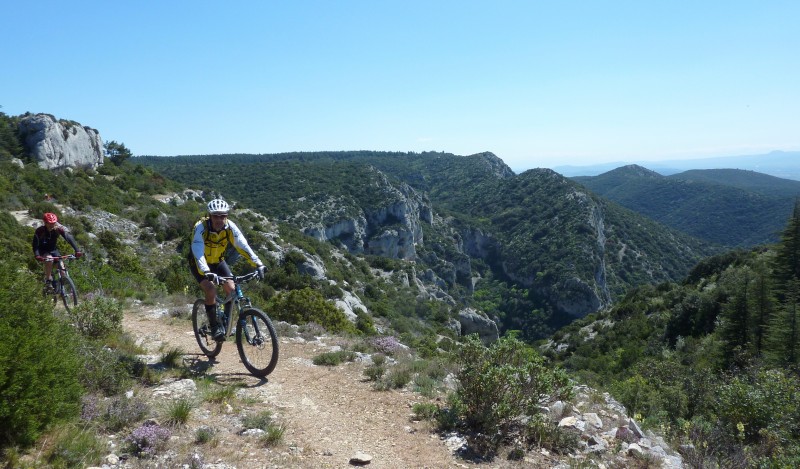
386	344
147	439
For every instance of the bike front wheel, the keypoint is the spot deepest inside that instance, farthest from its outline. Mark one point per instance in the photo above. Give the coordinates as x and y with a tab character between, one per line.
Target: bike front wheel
202	330
257	342
69	295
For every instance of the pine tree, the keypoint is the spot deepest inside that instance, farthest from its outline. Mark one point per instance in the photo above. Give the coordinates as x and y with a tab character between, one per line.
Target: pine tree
10	146
787	260
783	340
762	305
735	330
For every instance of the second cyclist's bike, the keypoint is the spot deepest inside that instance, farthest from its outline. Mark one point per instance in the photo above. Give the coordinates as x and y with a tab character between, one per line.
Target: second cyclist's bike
256	338
63	286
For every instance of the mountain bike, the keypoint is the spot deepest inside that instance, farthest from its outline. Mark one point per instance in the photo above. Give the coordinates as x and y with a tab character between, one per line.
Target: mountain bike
256	338
64	287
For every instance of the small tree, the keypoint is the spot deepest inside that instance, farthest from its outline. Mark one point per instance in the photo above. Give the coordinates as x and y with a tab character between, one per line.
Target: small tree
503	386
117	152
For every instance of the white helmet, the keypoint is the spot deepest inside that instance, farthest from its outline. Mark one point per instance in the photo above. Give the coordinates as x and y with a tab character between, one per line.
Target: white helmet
218	207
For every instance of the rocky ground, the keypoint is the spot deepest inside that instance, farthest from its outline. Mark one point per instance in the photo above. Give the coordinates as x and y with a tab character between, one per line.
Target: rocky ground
331	415
333	418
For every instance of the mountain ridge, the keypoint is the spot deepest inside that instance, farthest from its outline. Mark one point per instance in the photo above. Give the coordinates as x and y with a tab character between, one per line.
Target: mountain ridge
737	208
783	164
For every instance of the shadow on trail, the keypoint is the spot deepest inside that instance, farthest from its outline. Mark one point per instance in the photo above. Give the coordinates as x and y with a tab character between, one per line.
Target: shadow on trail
202	365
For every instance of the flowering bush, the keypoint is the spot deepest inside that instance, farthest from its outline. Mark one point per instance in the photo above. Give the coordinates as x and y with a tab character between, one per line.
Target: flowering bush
386	344
122	411
148	439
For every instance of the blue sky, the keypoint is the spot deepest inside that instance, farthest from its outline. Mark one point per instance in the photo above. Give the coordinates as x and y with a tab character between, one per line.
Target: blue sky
538	83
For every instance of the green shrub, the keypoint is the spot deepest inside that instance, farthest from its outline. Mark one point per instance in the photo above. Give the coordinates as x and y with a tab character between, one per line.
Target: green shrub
175	276
75	447
273	434
364	322
424	410
636	394
334	358
108	371
374	372
220	394
396	378
178	412
760	402
544	434
425	385
204	435
262	420
307	305
97	316
172	357
503	385
39	362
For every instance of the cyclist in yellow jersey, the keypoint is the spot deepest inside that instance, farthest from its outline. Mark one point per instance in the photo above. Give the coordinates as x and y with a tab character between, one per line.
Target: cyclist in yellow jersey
211	237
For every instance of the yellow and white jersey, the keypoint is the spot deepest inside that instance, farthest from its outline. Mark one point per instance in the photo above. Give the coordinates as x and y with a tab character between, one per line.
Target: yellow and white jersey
208	246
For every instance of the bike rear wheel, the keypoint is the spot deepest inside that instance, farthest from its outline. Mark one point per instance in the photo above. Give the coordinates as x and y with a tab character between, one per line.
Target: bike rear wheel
202	330
257	342
69	295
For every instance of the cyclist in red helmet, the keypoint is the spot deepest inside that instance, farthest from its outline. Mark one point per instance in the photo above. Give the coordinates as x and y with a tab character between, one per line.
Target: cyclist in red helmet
45	239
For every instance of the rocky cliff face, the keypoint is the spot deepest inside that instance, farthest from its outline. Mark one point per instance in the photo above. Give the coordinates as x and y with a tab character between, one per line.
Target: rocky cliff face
391	230
58	144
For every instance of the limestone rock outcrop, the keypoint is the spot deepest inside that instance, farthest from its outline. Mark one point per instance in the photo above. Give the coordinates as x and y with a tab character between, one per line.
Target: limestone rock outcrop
472	322
59	144
392	230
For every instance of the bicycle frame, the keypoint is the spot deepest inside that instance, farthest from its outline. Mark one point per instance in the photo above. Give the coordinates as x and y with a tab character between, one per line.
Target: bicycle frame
58	263
235	298
62	267
65	287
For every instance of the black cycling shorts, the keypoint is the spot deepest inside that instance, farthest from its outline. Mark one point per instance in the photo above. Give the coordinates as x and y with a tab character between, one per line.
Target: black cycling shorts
220	269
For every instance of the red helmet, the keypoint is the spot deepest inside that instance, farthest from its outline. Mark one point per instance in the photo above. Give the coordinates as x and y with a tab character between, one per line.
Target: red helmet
50	217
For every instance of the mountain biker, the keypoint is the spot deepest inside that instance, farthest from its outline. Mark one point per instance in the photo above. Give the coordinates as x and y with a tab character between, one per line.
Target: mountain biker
45	239
211	236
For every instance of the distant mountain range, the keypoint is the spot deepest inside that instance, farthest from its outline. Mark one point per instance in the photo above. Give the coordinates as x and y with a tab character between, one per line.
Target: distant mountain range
782	164
738	208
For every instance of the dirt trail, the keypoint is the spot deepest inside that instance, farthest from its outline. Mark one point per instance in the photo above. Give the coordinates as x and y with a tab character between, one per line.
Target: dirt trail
330	413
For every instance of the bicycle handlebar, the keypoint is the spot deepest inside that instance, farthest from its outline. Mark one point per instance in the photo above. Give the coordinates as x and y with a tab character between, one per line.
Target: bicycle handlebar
237	279
56	258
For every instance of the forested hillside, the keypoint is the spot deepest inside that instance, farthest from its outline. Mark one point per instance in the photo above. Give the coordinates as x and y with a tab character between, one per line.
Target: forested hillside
735	208
540	249
712	360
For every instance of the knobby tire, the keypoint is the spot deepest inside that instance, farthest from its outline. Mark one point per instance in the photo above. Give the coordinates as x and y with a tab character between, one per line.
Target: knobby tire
257	342
69	295
202	330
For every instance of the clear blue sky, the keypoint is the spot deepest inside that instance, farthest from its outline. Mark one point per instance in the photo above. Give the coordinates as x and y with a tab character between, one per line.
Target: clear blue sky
538	83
